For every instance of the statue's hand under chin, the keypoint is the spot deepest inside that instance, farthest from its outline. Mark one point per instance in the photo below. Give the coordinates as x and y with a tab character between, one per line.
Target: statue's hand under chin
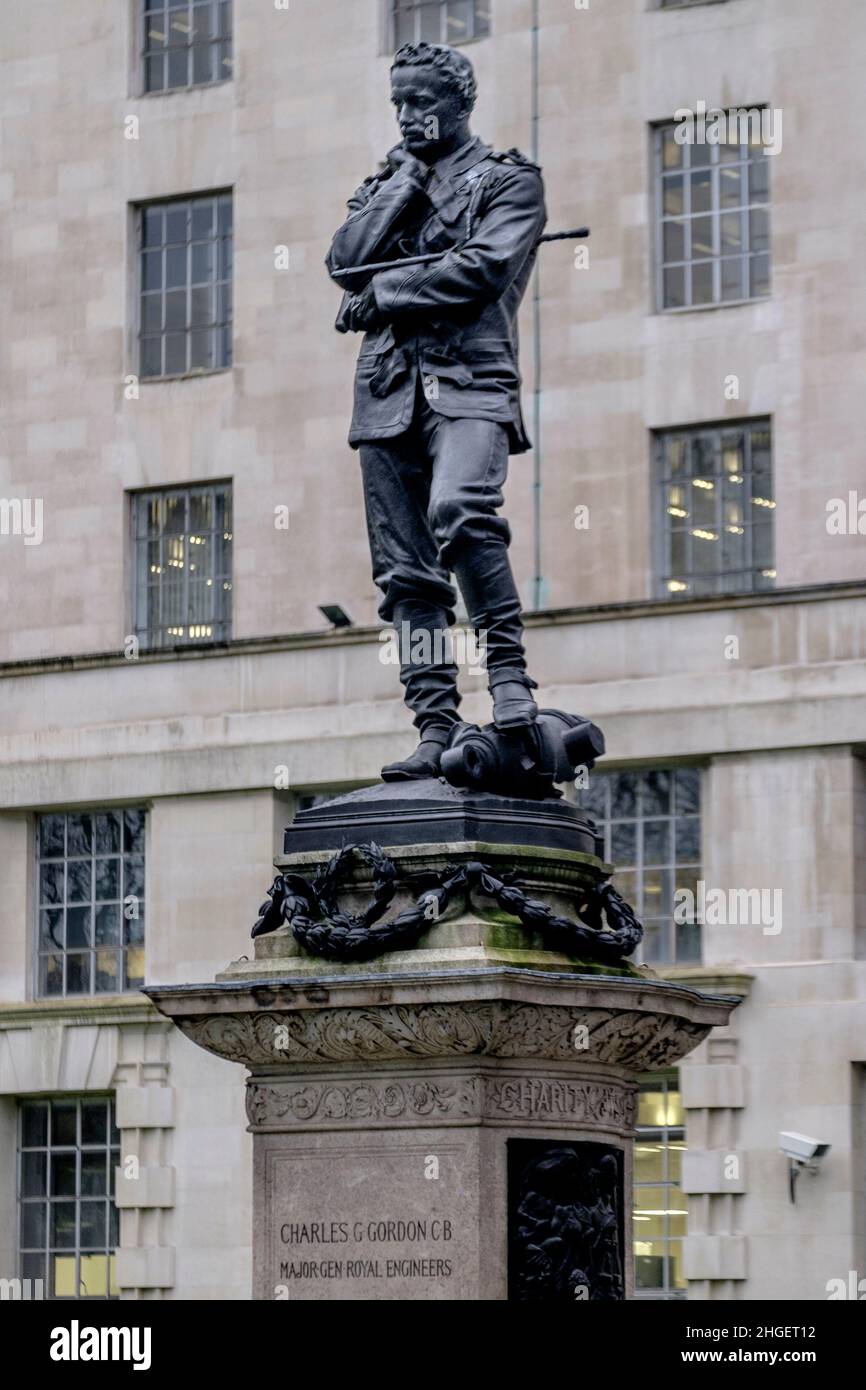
409	164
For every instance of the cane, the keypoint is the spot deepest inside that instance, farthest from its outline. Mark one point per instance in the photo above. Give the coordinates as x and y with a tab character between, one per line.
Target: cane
574	234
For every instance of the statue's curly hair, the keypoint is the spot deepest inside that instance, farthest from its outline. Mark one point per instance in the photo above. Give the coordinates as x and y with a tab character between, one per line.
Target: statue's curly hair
452	66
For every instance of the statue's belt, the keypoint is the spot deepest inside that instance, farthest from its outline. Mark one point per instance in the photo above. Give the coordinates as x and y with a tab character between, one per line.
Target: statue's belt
441	362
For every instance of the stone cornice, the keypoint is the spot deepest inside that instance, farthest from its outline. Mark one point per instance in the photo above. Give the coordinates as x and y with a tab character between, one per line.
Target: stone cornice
499	982
353	636
112	1008
717	979
636	1024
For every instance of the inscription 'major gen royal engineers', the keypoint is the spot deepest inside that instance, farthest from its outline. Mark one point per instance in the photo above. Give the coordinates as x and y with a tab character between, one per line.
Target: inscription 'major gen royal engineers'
369	1266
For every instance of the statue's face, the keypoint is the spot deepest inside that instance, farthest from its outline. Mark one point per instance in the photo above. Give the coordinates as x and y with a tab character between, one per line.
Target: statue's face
430	114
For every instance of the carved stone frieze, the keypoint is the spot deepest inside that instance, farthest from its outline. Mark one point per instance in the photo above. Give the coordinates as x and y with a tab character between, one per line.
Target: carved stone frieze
346	1102
280	1105
590	1104
635	1039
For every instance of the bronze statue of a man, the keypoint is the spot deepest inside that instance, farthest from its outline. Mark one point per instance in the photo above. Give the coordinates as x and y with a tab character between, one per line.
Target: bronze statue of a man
437	386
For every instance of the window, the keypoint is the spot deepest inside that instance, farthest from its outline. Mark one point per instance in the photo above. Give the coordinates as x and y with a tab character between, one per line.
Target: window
90	886
715	508
183	564
438	21
305	801
651	826
67	1231
186	286
659	1205
186	43
713	220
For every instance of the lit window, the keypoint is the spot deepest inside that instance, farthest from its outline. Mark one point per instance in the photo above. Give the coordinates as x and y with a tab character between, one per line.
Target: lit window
439	21
186	286
659	1205
713	243
68	1230
715	505
650	822
186	43
183	565
90	889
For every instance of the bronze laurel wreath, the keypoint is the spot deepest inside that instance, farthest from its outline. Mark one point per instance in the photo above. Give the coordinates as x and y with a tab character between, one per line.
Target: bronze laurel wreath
311	909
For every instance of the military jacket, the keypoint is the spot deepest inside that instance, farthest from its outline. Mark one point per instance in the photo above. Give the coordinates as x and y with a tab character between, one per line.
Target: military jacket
453	321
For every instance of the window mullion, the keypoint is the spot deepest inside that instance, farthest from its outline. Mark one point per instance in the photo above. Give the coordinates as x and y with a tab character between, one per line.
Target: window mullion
748	506
187	596
687	224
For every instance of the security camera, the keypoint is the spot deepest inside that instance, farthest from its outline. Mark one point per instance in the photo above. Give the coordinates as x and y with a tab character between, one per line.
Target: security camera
801	1148
801	1152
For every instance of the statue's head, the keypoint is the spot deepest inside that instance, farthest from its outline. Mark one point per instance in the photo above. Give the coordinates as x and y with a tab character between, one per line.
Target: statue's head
433	92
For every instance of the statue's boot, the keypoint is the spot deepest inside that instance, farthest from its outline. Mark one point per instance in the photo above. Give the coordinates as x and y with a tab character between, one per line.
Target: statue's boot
429	677
484	574
424	762
513	705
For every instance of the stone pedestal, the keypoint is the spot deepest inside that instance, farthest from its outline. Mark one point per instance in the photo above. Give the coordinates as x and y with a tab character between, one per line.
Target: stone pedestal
452	1121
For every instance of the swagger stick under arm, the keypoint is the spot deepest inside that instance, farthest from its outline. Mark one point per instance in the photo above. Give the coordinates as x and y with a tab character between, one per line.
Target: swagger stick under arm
573	234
